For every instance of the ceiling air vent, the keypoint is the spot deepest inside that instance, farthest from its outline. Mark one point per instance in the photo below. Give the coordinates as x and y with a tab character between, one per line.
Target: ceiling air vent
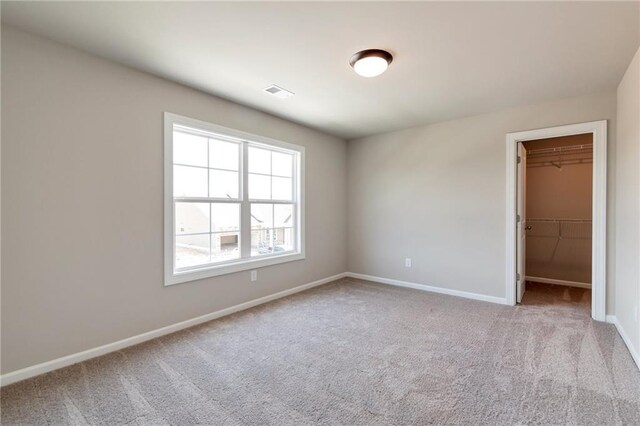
278	92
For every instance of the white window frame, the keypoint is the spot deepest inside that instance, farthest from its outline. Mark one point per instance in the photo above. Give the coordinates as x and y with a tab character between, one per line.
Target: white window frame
171	276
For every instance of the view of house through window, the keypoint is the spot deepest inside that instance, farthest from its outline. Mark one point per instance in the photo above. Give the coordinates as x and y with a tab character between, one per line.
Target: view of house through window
233	200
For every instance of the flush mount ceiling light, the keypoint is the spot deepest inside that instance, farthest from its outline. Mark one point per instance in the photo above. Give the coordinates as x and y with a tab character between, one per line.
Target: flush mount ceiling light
371	62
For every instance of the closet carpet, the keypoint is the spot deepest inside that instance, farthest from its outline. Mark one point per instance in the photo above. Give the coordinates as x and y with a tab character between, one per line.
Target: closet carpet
354	352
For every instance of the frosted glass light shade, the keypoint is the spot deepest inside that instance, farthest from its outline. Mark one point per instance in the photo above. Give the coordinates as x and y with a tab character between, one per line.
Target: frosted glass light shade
370	67
371	62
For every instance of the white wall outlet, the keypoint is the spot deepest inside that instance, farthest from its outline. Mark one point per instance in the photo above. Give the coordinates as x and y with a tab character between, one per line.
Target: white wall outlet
254	276
407	262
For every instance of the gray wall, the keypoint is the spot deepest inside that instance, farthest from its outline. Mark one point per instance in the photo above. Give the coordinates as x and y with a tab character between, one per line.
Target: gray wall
82	188
628	204
436	194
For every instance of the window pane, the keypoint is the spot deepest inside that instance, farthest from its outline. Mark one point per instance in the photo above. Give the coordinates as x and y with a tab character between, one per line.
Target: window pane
224	246
224	155
271	241
223	184
189	149
192	250
289	239
282	164
192	218
281	188
225	217
261	216
283	240
283	215
259	161
259	187
261	242
189	181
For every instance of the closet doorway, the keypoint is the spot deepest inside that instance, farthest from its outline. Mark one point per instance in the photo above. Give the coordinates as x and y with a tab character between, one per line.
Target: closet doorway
556	216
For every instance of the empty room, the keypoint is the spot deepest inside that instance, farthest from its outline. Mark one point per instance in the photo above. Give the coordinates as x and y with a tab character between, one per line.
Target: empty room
336	213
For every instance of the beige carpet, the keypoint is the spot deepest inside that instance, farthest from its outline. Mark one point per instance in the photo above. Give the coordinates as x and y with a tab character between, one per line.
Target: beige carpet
354	352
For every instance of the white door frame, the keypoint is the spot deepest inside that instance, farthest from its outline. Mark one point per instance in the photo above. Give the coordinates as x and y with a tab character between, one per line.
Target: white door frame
599	220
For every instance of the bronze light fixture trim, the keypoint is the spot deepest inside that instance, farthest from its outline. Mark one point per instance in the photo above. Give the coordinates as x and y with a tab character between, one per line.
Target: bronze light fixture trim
371	62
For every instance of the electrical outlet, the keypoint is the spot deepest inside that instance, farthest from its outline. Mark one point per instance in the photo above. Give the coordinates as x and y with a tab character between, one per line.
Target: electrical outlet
254	276
407	262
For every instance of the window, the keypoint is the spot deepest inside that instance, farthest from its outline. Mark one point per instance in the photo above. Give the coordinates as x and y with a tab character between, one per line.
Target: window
233	201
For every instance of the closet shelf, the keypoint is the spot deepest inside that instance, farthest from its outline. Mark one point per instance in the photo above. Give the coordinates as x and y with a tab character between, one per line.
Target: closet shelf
560	150
559	228
560	156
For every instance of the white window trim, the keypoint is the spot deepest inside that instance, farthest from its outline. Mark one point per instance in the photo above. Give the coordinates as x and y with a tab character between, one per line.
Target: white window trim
170	275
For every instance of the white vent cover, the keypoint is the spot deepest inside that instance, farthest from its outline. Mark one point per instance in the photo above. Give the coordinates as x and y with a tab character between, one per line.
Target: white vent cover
278	92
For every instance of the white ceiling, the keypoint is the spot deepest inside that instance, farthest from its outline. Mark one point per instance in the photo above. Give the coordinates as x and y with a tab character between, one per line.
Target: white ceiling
451	59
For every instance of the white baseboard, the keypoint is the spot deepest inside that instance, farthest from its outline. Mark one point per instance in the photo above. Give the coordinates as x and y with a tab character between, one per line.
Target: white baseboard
612	319
558	282
45	367
423	287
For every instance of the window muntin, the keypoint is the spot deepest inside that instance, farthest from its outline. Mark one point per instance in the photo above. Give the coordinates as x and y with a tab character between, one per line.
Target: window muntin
233	201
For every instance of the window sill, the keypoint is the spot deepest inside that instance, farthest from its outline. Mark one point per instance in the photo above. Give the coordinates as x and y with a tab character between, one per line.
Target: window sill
172	278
